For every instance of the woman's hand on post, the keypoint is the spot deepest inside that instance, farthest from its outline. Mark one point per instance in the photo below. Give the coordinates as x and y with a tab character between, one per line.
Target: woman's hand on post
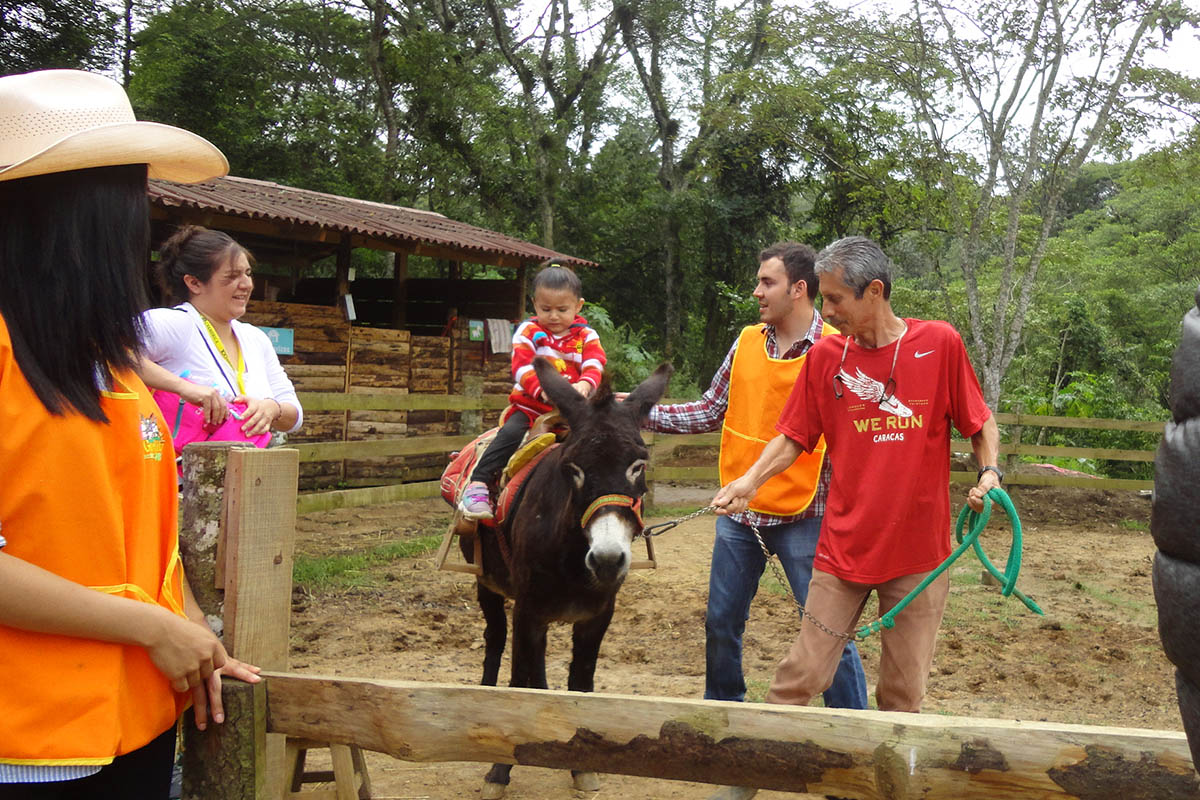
260	414
208	696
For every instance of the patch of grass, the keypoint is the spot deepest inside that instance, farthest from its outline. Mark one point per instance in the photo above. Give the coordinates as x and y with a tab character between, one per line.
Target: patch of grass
1134	525
769	584
756	691
672	512
352	570
1139	608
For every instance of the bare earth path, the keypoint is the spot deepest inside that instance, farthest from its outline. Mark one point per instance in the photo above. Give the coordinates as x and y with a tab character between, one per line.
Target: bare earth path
1095	657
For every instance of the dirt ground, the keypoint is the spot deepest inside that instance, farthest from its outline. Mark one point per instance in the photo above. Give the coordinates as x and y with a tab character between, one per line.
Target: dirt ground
1094	658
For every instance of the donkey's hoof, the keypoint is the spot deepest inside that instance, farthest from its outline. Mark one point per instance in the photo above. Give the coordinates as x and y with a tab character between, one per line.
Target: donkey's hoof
492	791
586	781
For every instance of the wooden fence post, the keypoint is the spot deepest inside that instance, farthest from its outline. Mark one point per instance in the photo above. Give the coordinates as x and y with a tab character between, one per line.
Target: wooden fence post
472	420
651	480
237	537
226	762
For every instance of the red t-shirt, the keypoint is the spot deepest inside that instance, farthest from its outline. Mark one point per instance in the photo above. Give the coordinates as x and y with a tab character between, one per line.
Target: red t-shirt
889	502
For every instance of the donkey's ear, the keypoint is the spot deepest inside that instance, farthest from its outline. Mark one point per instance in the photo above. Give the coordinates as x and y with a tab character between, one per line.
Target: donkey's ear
568	401
642	399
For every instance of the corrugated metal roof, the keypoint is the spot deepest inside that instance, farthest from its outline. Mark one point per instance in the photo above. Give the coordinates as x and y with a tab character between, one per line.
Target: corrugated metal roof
274	202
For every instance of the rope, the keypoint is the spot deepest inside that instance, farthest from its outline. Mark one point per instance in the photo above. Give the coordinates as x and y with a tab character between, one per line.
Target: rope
977	521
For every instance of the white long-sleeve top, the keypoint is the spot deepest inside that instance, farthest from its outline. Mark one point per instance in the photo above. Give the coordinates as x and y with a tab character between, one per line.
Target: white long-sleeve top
176	340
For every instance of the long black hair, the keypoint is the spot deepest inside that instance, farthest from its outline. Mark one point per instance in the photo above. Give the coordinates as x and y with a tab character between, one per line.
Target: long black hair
73	254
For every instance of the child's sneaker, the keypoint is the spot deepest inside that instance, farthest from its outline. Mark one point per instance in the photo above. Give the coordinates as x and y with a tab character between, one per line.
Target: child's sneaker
476	501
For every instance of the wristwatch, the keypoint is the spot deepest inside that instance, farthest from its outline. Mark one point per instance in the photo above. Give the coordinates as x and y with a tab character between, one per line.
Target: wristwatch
999	474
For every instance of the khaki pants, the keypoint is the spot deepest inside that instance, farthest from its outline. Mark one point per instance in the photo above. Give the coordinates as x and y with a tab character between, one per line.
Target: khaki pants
907	649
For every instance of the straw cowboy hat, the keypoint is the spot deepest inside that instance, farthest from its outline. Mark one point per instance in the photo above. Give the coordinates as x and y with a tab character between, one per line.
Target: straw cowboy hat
62	119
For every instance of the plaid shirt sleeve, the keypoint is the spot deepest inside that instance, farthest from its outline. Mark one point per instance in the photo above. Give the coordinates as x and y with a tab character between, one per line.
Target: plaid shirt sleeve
699	416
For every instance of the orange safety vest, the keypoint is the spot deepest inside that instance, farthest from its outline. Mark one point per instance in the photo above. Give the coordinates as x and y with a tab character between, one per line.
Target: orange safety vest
95	504
758	389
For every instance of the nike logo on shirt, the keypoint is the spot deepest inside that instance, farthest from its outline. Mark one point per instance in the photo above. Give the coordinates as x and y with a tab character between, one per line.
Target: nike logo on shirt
919	354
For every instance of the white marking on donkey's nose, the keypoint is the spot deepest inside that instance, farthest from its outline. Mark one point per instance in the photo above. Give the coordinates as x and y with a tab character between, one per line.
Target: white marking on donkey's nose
611	536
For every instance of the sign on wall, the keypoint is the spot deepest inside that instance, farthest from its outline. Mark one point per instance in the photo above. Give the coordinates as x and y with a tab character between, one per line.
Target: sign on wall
282	339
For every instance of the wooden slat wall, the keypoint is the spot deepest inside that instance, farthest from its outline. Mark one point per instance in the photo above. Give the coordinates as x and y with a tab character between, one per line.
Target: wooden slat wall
332	356
476	359
379	359
322	337
430	374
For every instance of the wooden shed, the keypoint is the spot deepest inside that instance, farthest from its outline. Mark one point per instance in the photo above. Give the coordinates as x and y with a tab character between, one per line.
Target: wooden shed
396	333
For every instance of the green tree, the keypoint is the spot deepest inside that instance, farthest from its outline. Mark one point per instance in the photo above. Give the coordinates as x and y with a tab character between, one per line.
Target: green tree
57	34
994	95
281	90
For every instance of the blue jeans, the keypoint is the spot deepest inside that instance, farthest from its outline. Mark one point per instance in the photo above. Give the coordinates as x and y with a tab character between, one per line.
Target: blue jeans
737	564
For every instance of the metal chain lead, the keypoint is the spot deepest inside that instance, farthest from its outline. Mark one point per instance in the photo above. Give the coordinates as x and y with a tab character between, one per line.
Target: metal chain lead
821	626
663	527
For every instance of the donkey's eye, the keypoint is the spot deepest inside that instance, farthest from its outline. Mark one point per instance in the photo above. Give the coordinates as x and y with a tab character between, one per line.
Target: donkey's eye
636	470
576	475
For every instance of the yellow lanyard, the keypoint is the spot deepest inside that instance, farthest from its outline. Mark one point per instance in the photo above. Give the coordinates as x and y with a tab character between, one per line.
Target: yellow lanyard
240	369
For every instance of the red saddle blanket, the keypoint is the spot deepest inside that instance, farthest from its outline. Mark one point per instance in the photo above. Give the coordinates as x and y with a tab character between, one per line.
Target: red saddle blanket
458	474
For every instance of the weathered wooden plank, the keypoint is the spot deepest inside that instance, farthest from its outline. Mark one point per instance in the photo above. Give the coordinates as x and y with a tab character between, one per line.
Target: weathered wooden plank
1023	449
319	384
661	473
1032	420
376	495
315	371
260	487
863	754
260	533
1078	482
379	448
378	416
381	401
361	430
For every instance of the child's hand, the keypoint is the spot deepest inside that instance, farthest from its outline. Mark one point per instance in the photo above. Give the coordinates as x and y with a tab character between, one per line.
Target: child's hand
583	387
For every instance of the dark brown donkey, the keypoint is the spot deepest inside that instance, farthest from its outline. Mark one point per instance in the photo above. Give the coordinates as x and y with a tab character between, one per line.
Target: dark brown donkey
570	538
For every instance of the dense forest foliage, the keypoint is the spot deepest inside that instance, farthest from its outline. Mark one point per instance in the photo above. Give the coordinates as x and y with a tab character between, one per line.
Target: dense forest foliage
1029	169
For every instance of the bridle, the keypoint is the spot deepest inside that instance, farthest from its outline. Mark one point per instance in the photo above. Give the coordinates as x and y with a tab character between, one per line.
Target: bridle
634	504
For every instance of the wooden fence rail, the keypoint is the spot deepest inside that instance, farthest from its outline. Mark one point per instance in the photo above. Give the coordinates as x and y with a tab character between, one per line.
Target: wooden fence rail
665	447
870	755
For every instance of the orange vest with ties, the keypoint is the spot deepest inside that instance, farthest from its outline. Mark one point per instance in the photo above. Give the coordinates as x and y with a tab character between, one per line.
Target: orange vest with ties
95	504
759	386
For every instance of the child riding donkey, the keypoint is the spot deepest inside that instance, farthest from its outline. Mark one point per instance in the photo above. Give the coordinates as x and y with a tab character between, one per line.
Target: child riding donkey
558	333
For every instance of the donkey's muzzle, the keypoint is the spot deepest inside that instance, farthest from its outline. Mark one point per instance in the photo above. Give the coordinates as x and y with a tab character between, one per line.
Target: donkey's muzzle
607	568
608	558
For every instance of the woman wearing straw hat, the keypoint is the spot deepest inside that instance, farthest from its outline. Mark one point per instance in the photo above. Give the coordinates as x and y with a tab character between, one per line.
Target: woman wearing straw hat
101	643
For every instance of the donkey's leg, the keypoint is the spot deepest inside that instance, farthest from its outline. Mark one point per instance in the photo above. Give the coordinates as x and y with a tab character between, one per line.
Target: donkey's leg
528	649
528	672
586	637
495	632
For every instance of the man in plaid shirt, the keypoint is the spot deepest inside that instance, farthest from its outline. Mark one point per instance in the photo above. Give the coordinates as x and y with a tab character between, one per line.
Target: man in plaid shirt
744	401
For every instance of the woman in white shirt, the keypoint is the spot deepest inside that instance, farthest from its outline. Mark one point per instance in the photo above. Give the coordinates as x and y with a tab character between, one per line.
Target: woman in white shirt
222	361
